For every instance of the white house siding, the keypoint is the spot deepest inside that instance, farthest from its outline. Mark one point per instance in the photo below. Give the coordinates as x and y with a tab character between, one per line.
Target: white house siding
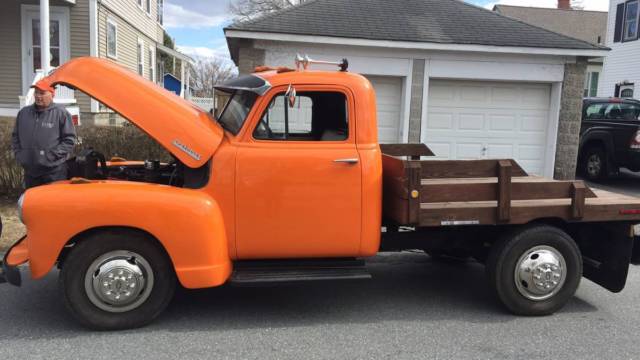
521	71
10	66
11	46
130	11
127	41
622	62
80	43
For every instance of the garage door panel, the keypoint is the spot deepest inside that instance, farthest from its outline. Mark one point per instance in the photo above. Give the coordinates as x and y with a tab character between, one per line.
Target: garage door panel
534	123
501	94
471	121
500	150
388	100
502	122
441	121
475	120
473	94
468	150
442	150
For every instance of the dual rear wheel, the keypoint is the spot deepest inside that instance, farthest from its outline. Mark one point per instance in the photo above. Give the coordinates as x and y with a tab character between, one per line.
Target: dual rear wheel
535	270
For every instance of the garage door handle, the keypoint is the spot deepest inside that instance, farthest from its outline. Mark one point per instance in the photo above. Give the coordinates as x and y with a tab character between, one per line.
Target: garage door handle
347	161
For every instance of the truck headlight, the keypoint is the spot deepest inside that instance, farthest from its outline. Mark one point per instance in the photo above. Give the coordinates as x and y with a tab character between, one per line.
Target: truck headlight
20	202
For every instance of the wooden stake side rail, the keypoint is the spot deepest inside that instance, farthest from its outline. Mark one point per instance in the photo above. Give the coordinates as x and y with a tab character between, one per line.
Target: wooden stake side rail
470	192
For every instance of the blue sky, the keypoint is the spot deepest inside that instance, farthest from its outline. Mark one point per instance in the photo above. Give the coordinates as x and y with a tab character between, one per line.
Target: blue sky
197	25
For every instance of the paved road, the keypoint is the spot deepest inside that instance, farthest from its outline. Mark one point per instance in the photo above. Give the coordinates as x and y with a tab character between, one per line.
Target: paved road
414	308
627	183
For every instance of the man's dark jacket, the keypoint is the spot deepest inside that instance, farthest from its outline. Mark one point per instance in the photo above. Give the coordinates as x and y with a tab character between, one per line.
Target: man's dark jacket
43	139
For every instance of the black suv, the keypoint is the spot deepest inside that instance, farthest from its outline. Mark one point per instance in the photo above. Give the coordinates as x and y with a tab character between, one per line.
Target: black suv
609	137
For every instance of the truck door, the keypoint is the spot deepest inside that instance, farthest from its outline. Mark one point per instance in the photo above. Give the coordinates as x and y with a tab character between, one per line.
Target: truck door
298	178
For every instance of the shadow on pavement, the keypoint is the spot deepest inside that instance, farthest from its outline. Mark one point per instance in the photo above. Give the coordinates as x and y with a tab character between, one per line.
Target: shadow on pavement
405	287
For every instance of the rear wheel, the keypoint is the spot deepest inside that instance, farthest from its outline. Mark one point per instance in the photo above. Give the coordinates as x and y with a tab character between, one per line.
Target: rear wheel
594	163
117	280
534	271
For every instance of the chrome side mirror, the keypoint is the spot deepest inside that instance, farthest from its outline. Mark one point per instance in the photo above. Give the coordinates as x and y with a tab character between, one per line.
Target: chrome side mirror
291	95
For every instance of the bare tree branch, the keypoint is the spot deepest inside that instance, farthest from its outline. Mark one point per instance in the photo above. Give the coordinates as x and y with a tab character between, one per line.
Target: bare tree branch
208	72
244	10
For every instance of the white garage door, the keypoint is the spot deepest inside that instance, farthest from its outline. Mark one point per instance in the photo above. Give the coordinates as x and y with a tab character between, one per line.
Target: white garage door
388	98
485	120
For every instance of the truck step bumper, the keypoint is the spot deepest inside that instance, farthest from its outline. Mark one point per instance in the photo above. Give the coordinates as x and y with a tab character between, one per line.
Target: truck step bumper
11	273
256	273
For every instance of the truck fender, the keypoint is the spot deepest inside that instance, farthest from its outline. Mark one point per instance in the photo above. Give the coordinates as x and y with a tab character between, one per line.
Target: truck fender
187	223
598	135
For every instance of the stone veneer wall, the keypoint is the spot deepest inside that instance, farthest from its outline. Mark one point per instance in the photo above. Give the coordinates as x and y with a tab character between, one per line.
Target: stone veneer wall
415	106
249	57
569	121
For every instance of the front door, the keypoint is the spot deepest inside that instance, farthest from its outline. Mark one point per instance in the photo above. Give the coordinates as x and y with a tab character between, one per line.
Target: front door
31	47
298	180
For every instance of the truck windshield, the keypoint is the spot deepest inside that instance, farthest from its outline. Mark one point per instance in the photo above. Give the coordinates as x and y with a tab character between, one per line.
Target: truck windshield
235	113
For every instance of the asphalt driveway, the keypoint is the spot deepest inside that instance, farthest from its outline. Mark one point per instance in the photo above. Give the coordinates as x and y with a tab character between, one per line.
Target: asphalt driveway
413	308
627	183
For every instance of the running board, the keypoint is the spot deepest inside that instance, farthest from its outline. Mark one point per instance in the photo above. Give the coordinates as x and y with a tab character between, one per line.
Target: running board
266	272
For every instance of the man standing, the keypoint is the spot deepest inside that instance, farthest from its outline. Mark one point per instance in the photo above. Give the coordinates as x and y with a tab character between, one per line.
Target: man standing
43	138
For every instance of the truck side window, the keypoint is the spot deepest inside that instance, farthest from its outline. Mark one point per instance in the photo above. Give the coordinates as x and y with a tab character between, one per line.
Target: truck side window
316	116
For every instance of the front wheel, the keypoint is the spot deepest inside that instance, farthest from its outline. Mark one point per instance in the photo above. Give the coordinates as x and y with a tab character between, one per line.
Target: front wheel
535	271
117	280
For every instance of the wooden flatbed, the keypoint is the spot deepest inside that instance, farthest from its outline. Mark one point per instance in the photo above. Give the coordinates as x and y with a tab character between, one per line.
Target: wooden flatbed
433	193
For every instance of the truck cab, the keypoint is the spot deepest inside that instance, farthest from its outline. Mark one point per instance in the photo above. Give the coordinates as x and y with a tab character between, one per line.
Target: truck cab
306	165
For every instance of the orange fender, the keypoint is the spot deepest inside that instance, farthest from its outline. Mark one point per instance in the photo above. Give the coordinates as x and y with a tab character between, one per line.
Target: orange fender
188	224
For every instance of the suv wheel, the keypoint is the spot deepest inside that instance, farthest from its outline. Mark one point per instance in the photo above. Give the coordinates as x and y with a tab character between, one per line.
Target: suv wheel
594	163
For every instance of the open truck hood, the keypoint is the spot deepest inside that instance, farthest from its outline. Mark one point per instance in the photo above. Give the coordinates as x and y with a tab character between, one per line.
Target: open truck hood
182	128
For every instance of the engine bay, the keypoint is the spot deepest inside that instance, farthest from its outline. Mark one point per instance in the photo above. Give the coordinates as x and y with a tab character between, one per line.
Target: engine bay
91	164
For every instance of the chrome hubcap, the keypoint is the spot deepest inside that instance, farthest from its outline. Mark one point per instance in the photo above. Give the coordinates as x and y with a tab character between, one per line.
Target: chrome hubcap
594	164
540	273
118	281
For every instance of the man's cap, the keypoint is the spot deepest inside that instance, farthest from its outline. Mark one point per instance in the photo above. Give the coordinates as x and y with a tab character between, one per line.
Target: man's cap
44	86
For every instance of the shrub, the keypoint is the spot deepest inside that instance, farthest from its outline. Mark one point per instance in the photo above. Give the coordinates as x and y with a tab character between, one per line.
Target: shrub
123	141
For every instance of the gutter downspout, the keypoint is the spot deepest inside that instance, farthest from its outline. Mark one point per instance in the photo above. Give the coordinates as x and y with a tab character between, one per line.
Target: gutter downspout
45	51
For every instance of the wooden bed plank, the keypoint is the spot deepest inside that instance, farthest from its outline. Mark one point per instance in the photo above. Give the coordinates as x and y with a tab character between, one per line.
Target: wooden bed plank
413	150
487	191
465	168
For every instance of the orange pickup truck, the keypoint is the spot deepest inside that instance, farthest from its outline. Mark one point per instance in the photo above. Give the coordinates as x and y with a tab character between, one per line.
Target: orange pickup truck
288	184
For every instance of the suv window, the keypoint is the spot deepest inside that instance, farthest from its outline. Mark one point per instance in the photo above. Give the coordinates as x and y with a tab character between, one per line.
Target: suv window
316	116
595	111
622	111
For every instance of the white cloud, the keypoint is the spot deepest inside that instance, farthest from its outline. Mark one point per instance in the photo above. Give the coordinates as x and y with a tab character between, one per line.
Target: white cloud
598	5
176	16
221	53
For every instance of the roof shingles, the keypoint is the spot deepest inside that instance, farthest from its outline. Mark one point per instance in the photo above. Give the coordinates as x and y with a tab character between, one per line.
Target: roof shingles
432	21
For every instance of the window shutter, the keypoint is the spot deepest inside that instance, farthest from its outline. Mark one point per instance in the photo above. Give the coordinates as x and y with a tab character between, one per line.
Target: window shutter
617	34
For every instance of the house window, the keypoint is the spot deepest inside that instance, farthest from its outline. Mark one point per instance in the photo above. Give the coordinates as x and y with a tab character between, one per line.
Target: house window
590	88
139	3
315	116
631	21
140	57
160	11
151	59
112	39
148	4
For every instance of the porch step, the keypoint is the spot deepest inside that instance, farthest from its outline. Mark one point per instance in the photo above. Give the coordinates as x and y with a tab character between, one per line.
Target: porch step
266	272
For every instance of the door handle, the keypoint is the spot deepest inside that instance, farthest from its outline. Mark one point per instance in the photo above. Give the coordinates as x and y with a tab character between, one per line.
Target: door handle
347	161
